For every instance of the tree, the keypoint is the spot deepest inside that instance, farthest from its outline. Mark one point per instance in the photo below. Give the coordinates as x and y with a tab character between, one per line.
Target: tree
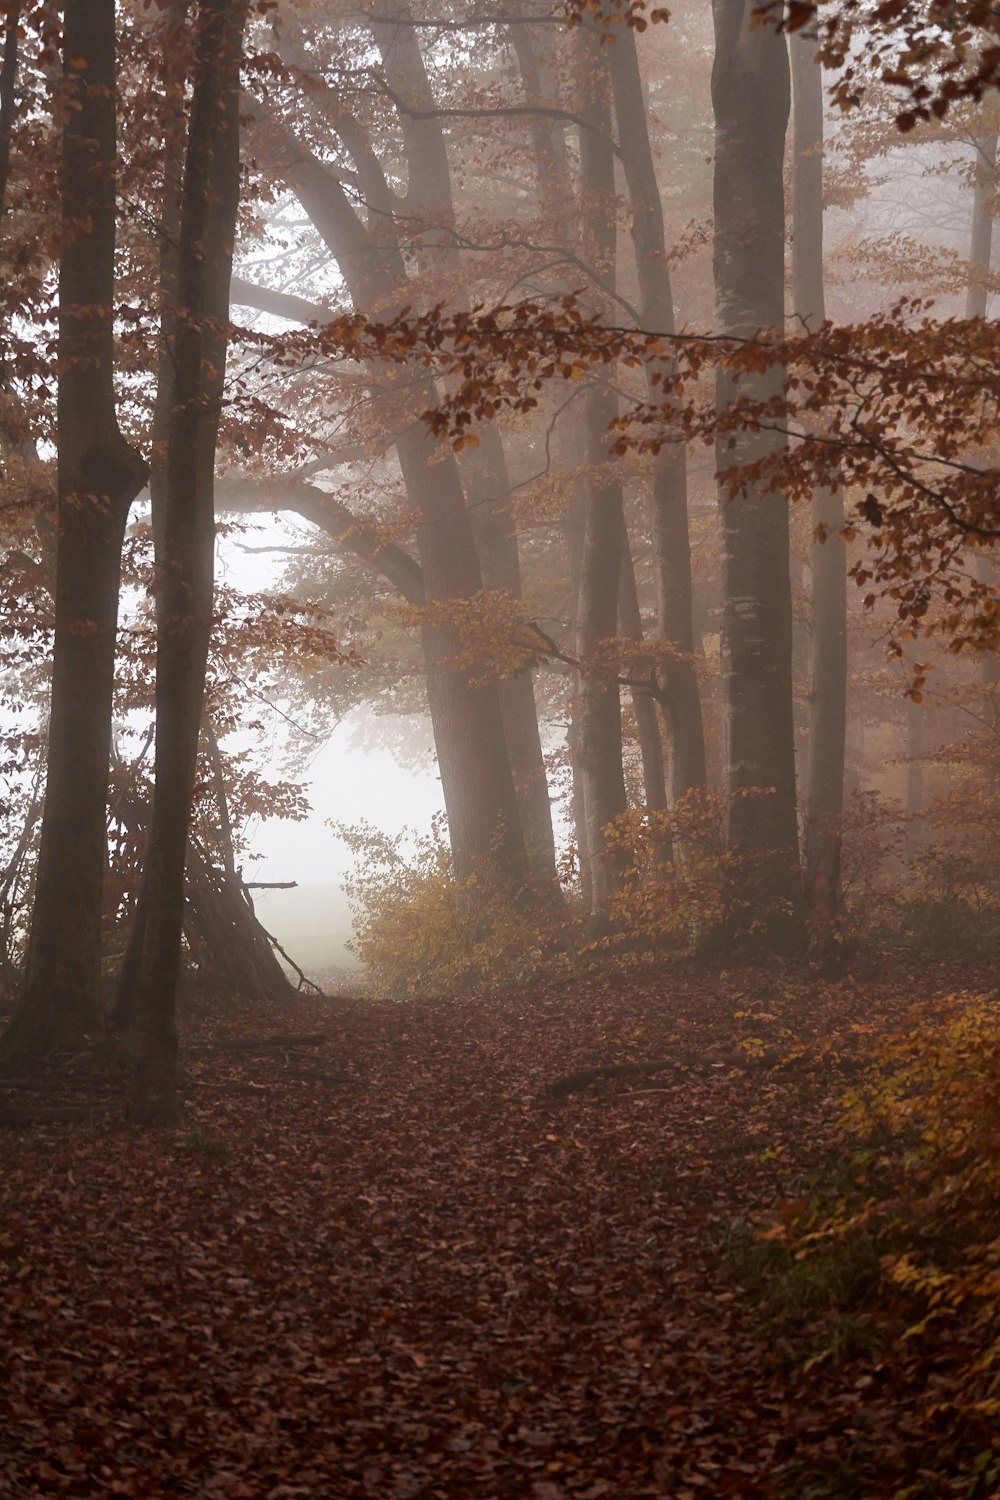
750	93
672	542
824	793
99	476
186	530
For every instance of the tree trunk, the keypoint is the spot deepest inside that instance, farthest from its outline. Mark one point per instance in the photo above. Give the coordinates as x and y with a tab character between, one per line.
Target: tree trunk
654	780
750	95
99	475
976	303
487	485
185	563
175	64
916	745
828	688
599	721
483	470
573	533
8	94
476	779
671	538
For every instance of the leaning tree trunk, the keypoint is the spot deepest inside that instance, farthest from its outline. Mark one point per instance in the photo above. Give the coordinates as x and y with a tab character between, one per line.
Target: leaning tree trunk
185	563
750	95
828	688
476	779
483	470
99	475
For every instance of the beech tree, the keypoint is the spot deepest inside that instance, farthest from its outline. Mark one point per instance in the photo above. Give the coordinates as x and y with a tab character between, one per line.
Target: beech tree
824	791
750	94
185	533
99	476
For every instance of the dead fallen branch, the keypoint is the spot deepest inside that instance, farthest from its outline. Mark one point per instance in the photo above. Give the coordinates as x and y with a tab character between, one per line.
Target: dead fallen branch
572	1083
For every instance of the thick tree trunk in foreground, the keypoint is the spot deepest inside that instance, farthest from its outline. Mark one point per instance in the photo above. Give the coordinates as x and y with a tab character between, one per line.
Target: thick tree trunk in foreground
824	797
174	46
671	539
185	560
99	475
750	95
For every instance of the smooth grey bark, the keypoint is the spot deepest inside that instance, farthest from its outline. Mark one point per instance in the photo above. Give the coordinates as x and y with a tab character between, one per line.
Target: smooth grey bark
984	187
99	475
916	745
750	96
477	782
184	532
484	470
976	304
643	706
573	533
824	792
599	718
671	537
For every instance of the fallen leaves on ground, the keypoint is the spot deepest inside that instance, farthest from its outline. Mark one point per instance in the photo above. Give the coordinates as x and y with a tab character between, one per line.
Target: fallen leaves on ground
385	1262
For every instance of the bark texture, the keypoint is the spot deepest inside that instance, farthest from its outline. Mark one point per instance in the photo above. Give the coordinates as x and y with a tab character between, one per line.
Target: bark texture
478	786
598	717
185	531
99	475
671	538
750	95
824	796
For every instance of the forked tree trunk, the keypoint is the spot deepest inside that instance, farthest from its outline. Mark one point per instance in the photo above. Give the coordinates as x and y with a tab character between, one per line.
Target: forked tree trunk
476	779
483	470
750	95
185	560
99	475
824	798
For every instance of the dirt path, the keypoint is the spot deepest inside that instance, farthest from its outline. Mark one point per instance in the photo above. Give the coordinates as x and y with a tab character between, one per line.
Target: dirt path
390	1265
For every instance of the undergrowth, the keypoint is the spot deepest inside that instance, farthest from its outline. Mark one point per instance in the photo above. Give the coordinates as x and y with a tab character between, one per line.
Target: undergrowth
892	1251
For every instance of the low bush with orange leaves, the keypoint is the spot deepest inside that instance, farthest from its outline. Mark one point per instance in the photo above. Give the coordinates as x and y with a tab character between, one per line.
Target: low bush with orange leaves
914	1190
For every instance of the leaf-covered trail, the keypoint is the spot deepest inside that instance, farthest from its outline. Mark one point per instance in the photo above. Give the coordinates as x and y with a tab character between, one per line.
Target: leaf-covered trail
391	1266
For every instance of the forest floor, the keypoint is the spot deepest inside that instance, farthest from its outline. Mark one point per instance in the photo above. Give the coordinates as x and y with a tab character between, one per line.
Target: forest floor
388	1263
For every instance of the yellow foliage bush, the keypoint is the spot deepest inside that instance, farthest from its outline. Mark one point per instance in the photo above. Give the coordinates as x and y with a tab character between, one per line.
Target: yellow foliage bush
420	932
923	1132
